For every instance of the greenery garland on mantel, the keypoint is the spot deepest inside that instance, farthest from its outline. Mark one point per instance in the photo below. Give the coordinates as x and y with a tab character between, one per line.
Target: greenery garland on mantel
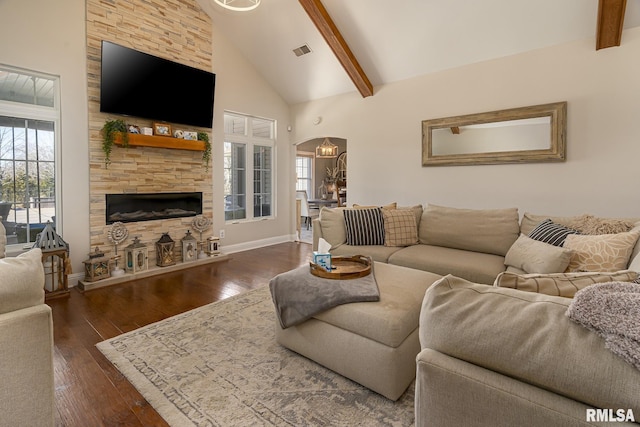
206	154
109	131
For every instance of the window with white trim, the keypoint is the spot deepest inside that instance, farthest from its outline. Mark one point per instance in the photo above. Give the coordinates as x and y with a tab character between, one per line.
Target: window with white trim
248	167
304	173
29	147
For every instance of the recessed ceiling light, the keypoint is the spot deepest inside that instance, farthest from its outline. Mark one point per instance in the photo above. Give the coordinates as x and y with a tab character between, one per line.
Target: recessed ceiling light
239	5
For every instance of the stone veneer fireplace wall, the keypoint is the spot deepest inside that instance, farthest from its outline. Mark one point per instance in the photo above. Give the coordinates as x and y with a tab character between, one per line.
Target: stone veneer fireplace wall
178	30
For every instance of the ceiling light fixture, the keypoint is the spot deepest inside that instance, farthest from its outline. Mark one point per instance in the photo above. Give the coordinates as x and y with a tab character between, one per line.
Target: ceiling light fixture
326	150
239	5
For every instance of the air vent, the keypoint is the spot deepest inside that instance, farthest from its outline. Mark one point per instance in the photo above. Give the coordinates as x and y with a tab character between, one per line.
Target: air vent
302	50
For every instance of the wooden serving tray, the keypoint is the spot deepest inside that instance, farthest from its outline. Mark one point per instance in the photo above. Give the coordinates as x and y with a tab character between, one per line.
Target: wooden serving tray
344	268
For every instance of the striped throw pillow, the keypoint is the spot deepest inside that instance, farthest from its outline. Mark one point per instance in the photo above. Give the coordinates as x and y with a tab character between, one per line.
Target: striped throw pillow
550	232
364	226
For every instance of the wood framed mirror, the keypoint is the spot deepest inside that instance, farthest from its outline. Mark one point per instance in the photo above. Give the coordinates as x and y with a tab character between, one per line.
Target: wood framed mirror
518	135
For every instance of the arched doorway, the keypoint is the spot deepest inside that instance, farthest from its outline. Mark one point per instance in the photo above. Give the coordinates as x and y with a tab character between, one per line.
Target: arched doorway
320	177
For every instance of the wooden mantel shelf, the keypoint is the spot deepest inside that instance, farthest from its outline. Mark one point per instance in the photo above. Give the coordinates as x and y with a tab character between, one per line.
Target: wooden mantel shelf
139	140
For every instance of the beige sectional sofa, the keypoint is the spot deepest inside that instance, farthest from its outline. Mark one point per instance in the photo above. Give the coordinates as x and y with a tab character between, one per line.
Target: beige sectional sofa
26	342
503	357
469	243
507	354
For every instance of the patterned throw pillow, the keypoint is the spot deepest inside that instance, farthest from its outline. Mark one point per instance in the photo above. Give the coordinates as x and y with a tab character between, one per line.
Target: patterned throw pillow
400	227
604	252
560	284
364	226
550	232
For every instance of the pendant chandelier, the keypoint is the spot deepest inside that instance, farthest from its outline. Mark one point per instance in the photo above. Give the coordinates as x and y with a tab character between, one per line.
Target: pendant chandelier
326	150
239	5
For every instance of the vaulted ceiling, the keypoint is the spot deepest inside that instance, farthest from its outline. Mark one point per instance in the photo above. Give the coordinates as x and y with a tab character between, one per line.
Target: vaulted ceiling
396	40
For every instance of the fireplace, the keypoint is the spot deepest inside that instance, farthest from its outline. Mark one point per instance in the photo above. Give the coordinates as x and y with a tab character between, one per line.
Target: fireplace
134	207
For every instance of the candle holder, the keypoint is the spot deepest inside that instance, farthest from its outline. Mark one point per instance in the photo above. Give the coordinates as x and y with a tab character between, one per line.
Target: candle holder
201	223
117	234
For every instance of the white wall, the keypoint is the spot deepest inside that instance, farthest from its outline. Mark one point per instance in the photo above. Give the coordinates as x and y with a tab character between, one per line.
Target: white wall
241	89
49	37
600	175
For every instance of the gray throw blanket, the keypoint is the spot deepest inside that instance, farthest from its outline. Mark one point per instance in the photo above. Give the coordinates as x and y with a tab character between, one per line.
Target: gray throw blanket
298	294
612	310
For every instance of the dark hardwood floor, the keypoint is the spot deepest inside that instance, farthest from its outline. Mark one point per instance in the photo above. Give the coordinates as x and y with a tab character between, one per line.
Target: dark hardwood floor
89	390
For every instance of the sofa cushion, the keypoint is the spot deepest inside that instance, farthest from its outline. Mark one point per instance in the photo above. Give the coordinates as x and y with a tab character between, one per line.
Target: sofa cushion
604	252
390	320
491	231
364	226
526	336
560	284
534	256
21	281
378	253
400	227
550	232
476	266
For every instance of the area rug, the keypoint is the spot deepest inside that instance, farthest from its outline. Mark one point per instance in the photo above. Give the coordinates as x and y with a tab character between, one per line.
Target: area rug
220	365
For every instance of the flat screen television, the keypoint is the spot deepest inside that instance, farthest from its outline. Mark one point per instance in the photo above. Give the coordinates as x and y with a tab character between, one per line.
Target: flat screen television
137	84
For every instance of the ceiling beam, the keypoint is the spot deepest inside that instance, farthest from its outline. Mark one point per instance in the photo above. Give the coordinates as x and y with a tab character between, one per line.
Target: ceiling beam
610	22
320	17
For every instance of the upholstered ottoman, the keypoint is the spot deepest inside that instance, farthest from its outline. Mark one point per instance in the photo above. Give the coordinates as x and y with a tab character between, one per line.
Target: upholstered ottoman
372	343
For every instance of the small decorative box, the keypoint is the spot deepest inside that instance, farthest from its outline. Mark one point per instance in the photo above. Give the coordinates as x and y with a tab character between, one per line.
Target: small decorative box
323	260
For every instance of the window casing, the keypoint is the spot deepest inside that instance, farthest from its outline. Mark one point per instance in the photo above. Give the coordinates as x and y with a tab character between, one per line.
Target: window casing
29	154
249	155
304	173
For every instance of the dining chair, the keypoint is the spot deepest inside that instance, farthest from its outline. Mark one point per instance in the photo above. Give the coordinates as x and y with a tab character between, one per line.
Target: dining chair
306	212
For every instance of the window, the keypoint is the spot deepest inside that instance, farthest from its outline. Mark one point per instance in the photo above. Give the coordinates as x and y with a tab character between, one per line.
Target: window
304	173
248	157
29	117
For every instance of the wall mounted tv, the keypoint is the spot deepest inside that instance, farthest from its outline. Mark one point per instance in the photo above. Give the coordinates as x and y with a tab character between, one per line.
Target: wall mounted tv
138	84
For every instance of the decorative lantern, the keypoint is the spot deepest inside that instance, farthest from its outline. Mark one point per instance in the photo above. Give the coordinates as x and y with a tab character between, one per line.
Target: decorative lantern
136	256
189	247
96	267
213	245
55	259
164	251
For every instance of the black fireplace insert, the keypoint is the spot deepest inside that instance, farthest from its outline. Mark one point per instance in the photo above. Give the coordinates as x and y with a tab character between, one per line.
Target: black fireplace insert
134	207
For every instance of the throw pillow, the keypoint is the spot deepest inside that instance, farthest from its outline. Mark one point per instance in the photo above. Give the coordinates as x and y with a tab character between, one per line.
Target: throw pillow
21	281
550	232
560	284
589	224
533	256
364	226
400	227
604	252
332	226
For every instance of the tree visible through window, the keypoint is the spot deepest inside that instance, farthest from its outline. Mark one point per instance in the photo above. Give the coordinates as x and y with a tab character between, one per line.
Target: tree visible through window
27	154
248	158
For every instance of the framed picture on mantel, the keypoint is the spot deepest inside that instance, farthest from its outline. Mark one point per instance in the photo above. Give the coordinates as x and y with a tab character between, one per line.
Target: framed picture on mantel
162	129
